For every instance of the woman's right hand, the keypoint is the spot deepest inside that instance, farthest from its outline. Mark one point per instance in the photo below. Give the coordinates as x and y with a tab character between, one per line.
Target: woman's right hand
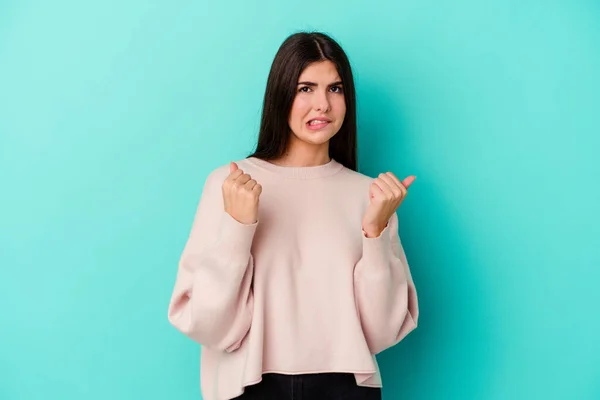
240	195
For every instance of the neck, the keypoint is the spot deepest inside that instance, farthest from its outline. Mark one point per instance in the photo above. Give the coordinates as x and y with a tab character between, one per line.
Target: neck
301	154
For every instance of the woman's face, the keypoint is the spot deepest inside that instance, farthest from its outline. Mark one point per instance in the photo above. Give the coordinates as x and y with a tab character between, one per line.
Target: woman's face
319	107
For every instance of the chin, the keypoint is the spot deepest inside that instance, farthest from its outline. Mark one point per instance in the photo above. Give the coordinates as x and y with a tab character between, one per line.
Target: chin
316	138
320	136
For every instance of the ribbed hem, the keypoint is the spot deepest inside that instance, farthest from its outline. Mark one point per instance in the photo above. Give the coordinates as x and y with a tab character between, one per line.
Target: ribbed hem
317	171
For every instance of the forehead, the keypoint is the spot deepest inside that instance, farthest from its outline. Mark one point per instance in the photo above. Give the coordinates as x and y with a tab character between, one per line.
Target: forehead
321	71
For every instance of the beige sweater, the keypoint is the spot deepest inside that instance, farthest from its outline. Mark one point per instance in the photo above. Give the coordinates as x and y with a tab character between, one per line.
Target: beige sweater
303	290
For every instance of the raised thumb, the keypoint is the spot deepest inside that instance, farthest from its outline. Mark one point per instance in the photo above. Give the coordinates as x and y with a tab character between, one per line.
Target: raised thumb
408	181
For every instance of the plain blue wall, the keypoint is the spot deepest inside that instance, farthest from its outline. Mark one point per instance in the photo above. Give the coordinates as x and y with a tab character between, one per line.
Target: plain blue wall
112	113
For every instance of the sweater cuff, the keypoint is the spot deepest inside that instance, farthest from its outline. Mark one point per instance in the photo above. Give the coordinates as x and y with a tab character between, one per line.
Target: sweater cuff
378	249
236	237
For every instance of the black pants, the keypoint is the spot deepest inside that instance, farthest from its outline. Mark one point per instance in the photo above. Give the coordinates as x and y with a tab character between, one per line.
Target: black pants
321	386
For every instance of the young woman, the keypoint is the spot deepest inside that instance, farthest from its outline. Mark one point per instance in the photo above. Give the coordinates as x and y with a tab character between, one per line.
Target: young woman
293	277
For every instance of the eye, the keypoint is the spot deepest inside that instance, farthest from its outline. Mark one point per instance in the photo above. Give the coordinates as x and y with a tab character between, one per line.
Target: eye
302	89
337	89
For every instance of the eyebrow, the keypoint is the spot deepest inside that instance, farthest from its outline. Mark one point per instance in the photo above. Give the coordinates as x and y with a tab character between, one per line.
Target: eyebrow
336	83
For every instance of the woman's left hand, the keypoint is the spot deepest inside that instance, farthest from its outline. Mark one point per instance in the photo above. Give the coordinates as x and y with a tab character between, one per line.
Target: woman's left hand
386	194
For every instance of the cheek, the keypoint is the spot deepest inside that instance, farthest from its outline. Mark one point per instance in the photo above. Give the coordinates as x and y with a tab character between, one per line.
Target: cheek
340	108
300	108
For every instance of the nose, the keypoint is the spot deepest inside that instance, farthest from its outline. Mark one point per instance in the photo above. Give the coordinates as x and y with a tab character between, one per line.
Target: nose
321	102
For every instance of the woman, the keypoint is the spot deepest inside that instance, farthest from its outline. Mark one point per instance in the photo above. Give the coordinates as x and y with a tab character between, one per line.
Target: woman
292	296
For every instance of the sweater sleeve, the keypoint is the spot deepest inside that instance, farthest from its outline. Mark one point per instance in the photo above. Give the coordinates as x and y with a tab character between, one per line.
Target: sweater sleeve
212	300
385	293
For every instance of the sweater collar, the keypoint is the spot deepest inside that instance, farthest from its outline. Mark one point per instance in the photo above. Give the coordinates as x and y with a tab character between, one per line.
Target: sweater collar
317	171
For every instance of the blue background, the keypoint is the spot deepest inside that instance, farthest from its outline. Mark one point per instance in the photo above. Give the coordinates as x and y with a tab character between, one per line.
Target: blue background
112	113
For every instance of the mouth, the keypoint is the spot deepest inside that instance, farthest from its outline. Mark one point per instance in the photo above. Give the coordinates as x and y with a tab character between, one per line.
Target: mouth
316	124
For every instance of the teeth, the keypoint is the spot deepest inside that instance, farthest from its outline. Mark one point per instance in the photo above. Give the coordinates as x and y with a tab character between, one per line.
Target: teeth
316	121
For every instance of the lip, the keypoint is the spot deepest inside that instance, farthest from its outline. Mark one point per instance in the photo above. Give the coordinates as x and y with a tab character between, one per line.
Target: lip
320	119
317	126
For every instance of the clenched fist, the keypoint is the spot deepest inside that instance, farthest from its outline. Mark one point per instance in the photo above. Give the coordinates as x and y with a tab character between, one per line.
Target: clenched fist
386	194
240	195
